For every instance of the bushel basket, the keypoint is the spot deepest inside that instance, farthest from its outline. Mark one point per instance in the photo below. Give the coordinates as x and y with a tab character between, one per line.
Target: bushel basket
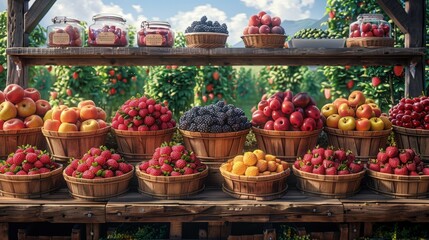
264	40
370	42
206	40
416	139
12	139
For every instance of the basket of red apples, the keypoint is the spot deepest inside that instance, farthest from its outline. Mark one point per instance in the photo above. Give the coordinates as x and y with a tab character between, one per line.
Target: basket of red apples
356	123
411	124
398	173
172	173
140	126
71	131
21	118
99	175
264	31
29	173
287	125
330	172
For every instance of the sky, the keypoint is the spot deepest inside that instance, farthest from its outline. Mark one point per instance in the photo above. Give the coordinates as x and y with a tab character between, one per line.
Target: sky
180	14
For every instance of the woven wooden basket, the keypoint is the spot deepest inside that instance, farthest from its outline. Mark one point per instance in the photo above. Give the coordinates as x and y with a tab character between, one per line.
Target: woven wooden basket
370	42
364	144
137	146
171	187
64	146
255	187
101	189
264	40
416	139
332	186
206	40
30	186
11	140
398	186
286	145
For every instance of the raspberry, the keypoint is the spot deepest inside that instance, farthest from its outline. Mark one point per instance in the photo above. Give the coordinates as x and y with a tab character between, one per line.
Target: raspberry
88	175
144	166
174	155
180	164
44	158
18	158
69	170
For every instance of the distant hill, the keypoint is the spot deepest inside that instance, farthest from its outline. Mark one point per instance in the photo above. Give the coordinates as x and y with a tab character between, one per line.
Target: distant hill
291	27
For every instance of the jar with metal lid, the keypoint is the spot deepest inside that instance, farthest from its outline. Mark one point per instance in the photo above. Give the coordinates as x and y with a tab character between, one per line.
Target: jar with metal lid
370	25
155	34
108	30
65	32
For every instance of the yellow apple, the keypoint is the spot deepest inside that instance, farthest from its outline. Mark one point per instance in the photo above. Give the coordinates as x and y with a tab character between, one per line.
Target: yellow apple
376	124
89	125
7	111
33	121
26	107
67	127
347	123
328	109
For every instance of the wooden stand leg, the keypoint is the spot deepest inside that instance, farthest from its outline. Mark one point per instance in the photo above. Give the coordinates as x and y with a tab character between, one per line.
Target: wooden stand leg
175	230
344	231
4	231
75	235
92	231
367	229
216	230
354	230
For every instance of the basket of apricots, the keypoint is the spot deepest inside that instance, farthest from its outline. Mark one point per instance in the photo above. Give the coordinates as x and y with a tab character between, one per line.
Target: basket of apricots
255	175
71	131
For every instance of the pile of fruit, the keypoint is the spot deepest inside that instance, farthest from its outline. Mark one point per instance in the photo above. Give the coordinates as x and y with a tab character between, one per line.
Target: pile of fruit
107	36
85	117
28	160
256	163
411	113
367	29
263	23
205	25
399	162
21	108
329	162
214	118
312	33
355	113
143	114
99	162
284	111
172	160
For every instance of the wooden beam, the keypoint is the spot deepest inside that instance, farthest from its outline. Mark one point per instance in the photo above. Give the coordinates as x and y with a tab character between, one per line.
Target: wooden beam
37	11
396	12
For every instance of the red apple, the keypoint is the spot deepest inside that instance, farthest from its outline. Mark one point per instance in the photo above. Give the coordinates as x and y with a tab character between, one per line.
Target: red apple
356	98
269	125
276	21
26	107
7	111
253	30
347	123
366	27
14	93
32	93
254	21
42	106
33	121
356	33
259	118
345	110
363	124
277	114
2	97
261	14
288	95
262	104
364	111
264	29
266	19
312	111
337	102
301	99
1	124
296	119
267	111
281	124
309	124
275	104
13	124
287	107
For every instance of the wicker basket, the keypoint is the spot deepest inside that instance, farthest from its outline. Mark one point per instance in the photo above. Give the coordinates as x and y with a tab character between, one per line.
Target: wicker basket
416	139
30	186
11	140
332	186
364	144
398	186
286	145
137	146
64	146
264	40
255	187
98	189
370	42
206	40
171	187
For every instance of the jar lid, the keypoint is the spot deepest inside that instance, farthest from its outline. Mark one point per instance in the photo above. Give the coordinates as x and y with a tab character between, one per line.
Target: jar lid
108	16
155	23
63	19
371	15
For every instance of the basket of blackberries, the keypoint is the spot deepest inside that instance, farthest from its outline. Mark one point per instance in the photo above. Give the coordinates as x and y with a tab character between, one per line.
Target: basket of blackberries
206	34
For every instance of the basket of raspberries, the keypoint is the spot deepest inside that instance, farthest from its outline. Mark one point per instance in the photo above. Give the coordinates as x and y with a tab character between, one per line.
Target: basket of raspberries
206	34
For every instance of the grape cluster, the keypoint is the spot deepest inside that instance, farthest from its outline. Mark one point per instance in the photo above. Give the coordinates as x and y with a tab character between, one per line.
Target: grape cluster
205	25
214	118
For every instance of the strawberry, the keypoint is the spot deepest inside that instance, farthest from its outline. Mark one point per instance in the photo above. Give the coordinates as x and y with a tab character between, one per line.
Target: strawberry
82	168
112	164
44	170
316	159
95	151
149	120
401	170
100	160
44	158
115	157
398	70
426	170
95	169
340	155
155	172
106	154
411	151
108	173
318	150
331	171
327	163
180	164
411	166
18	158
175	155
392	151
21	172
143	166
38	164
374	165
118	173
355	166
88	174
404	156
34	171
164	159
175	173
417	159
386	168
178	148
27	166
306	167
165	118
165	151
75	75
166	169
382	156
413	173
74	164
153	162
394	162
350	157
124	167
343	172
9	160
307	157
191	165
329	153
68	170
9	173
319	169
375	81
188	171
29	150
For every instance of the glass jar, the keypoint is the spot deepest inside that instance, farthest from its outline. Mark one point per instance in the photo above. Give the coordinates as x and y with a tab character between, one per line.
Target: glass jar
155	34
108	30
370	25
65	32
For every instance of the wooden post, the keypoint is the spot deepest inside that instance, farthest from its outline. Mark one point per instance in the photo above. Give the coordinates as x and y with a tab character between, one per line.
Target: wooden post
175	230
4	231
367	229
344	231
354	231
92	231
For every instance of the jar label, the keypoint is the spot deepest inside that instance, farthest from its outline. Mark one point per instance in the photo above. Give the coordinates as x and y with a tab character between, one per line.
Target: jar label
60	38
154	40
106	38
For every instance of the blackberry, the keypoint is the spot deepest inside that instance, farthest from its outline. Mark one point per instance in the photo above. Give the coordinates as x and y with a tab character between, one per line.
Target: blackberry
193	127
203	19
220	104
221	115
198	120
224	26
226	128
199	28
207	119
238	112
189	30
184	125
216	109
206	29
203	128
209	23
236	127
195	23
230	121
216	129
230	113
203	111
243	119
225	109
216	24
219	121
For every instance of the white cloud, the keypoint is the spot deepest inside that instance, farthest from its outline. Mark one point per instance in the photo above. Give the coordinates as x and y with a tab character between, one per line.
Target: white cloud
235	24
285	9
137	8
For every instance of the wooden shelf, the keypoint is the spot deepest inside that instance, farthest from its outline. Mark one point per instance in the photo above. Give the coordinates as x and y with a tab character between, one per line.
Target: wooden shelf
220	56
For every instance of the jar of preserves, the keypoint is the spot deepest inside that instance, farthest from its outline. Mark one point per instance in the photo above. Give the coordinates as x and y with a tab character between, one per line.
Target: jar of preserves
65	32
370	25
155	34
108	30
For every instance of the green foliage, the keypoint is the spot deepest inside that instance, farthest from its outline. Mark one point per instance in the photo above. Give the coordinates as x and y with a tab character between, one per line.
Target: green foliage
139	231
287	232
401	230
3	45
214	84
